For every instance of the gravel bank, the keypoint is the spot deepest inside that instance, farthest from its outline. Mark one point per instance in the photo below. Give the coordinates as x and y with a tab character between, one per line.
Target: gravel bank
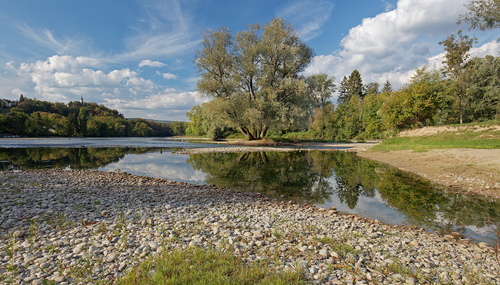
237	149
84	226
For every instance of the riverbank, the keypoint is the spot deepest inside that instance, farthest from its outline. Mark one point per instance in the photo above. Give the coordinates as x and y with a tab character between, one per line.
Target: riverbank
473	171
84	226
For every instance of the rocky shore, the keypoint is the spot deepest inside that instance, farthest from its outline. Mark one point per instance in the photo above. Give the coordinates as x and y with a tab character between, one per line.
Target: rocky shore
86	226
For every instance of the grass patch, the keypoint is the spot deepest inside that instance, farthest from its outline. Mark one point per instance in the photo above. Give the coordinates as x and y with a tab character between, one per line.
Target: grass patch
205	266
485	139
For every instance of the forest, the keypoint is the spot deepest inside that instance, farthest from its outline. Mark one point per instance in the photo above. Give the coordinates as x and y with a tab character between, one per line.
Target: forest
33	118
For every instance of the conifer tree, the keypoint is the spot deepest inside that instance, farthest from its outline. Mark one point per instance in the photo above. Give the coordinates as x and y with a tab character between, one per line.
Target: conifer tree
387	87
355	85
343	97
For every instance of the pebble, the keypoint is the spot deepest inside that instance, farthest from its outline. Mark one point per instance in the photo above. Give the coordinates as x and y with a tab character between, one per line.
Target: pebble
137	217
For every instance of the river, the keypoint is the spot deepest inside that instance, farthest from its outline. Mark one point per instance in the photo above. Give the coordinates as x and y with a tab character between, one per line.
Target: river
325	178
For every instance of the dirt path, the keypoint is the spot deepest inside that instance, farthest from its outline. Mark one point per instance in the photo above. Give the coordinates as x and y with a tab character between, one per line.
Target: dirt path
474	170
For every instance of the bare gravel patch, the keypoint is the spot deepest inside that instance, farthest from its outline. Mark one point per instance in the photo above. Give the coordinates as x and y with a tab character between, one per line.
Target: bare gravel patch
86	226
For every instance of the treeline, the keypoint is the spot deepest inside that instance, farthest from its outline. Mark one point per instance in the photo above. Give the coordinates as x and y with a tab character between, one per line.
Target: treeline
256	86
34	118
370	111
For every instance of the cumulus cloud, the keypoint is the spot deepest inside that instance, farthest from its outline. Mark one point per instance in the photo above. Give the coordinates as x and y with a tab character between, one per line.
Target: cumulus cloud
168	104
307	16
65	78
169	75
392	44
150	63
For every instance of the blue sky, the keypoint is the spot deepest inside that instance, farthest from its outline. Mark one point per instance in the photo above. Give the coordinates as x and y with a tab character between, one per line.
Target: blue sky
137	56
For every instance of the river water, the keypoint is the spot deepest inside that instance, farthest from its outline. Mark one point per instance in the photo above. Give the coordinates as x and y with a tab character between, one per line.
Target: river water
326	178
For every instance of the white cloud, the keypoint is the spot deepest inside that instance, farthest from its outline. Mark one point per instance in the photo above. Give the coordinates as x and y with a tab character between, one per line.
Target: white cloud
392	44
150	63
168	33
388	6
169	75
65	78
168	104
168	99
307	16
17	92
48	40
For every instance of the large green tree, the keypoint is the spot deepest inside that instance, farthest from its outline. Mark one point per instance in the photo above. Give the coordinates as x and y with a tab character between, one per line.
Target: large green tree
483	88
457	52
254	77
322	88
417	103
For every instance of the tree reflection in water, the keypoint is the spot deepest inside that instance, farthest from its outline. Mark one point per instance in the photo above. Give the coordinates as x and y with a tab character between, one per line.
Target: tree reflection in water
314	176
317	175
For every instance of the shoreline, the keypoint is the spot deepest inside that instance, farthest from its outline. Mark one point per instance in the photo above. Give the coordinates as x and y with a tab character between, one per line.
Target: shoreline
468	171
115	221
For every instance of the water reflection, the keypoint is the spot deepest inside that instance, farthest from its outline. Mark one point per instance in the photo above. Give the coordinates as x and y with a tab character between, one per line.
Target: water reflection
329	179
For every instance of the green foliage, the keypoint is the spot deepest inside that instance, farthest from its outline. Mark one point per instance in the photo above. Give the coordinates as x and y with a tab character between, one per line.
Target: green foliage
483	14
321	87
253	78
483	93
351	86
457	48
416	104
206	266
486	139
62	158
41	118
179	128
195	126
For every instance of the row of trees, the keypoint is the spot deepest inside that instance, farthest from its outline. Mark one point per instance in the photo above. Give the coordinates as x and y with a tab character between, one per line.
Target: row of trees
255	81
41	118
363	111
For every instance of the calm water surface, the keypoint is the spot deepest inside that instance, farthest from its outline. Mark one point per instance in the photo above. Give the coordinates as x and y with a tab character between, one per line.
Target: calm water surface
327	179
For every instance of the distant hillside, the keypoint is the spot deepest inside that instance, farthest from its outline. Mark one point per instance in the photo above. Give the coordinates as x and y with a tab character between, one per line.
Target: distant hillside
34	118
157	121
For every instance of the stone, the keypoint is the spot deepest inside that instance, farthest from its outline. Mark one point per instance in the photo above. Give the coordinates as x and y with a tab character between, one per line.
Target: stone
153	245
19	234
323	252
77	250
111	257
410	281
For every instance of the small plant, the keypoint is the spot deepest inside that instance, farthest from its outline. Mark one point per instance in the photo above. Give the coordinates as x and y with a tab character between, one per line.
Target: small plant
497	247
10	250
102	227
205	266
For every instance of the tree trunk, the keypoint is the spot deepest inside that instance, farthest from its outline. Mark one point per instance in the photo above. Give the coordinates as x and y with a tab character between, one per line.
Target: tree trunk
246	133
263	132
460	108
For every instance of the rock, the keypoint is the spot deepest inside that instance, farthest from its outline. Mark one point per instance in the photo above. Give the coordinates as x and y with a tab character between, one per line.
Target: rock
323	252
59	278
92	249
410	281
153	245
18	234
122	266
78	249
111	257
483	245
414	243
